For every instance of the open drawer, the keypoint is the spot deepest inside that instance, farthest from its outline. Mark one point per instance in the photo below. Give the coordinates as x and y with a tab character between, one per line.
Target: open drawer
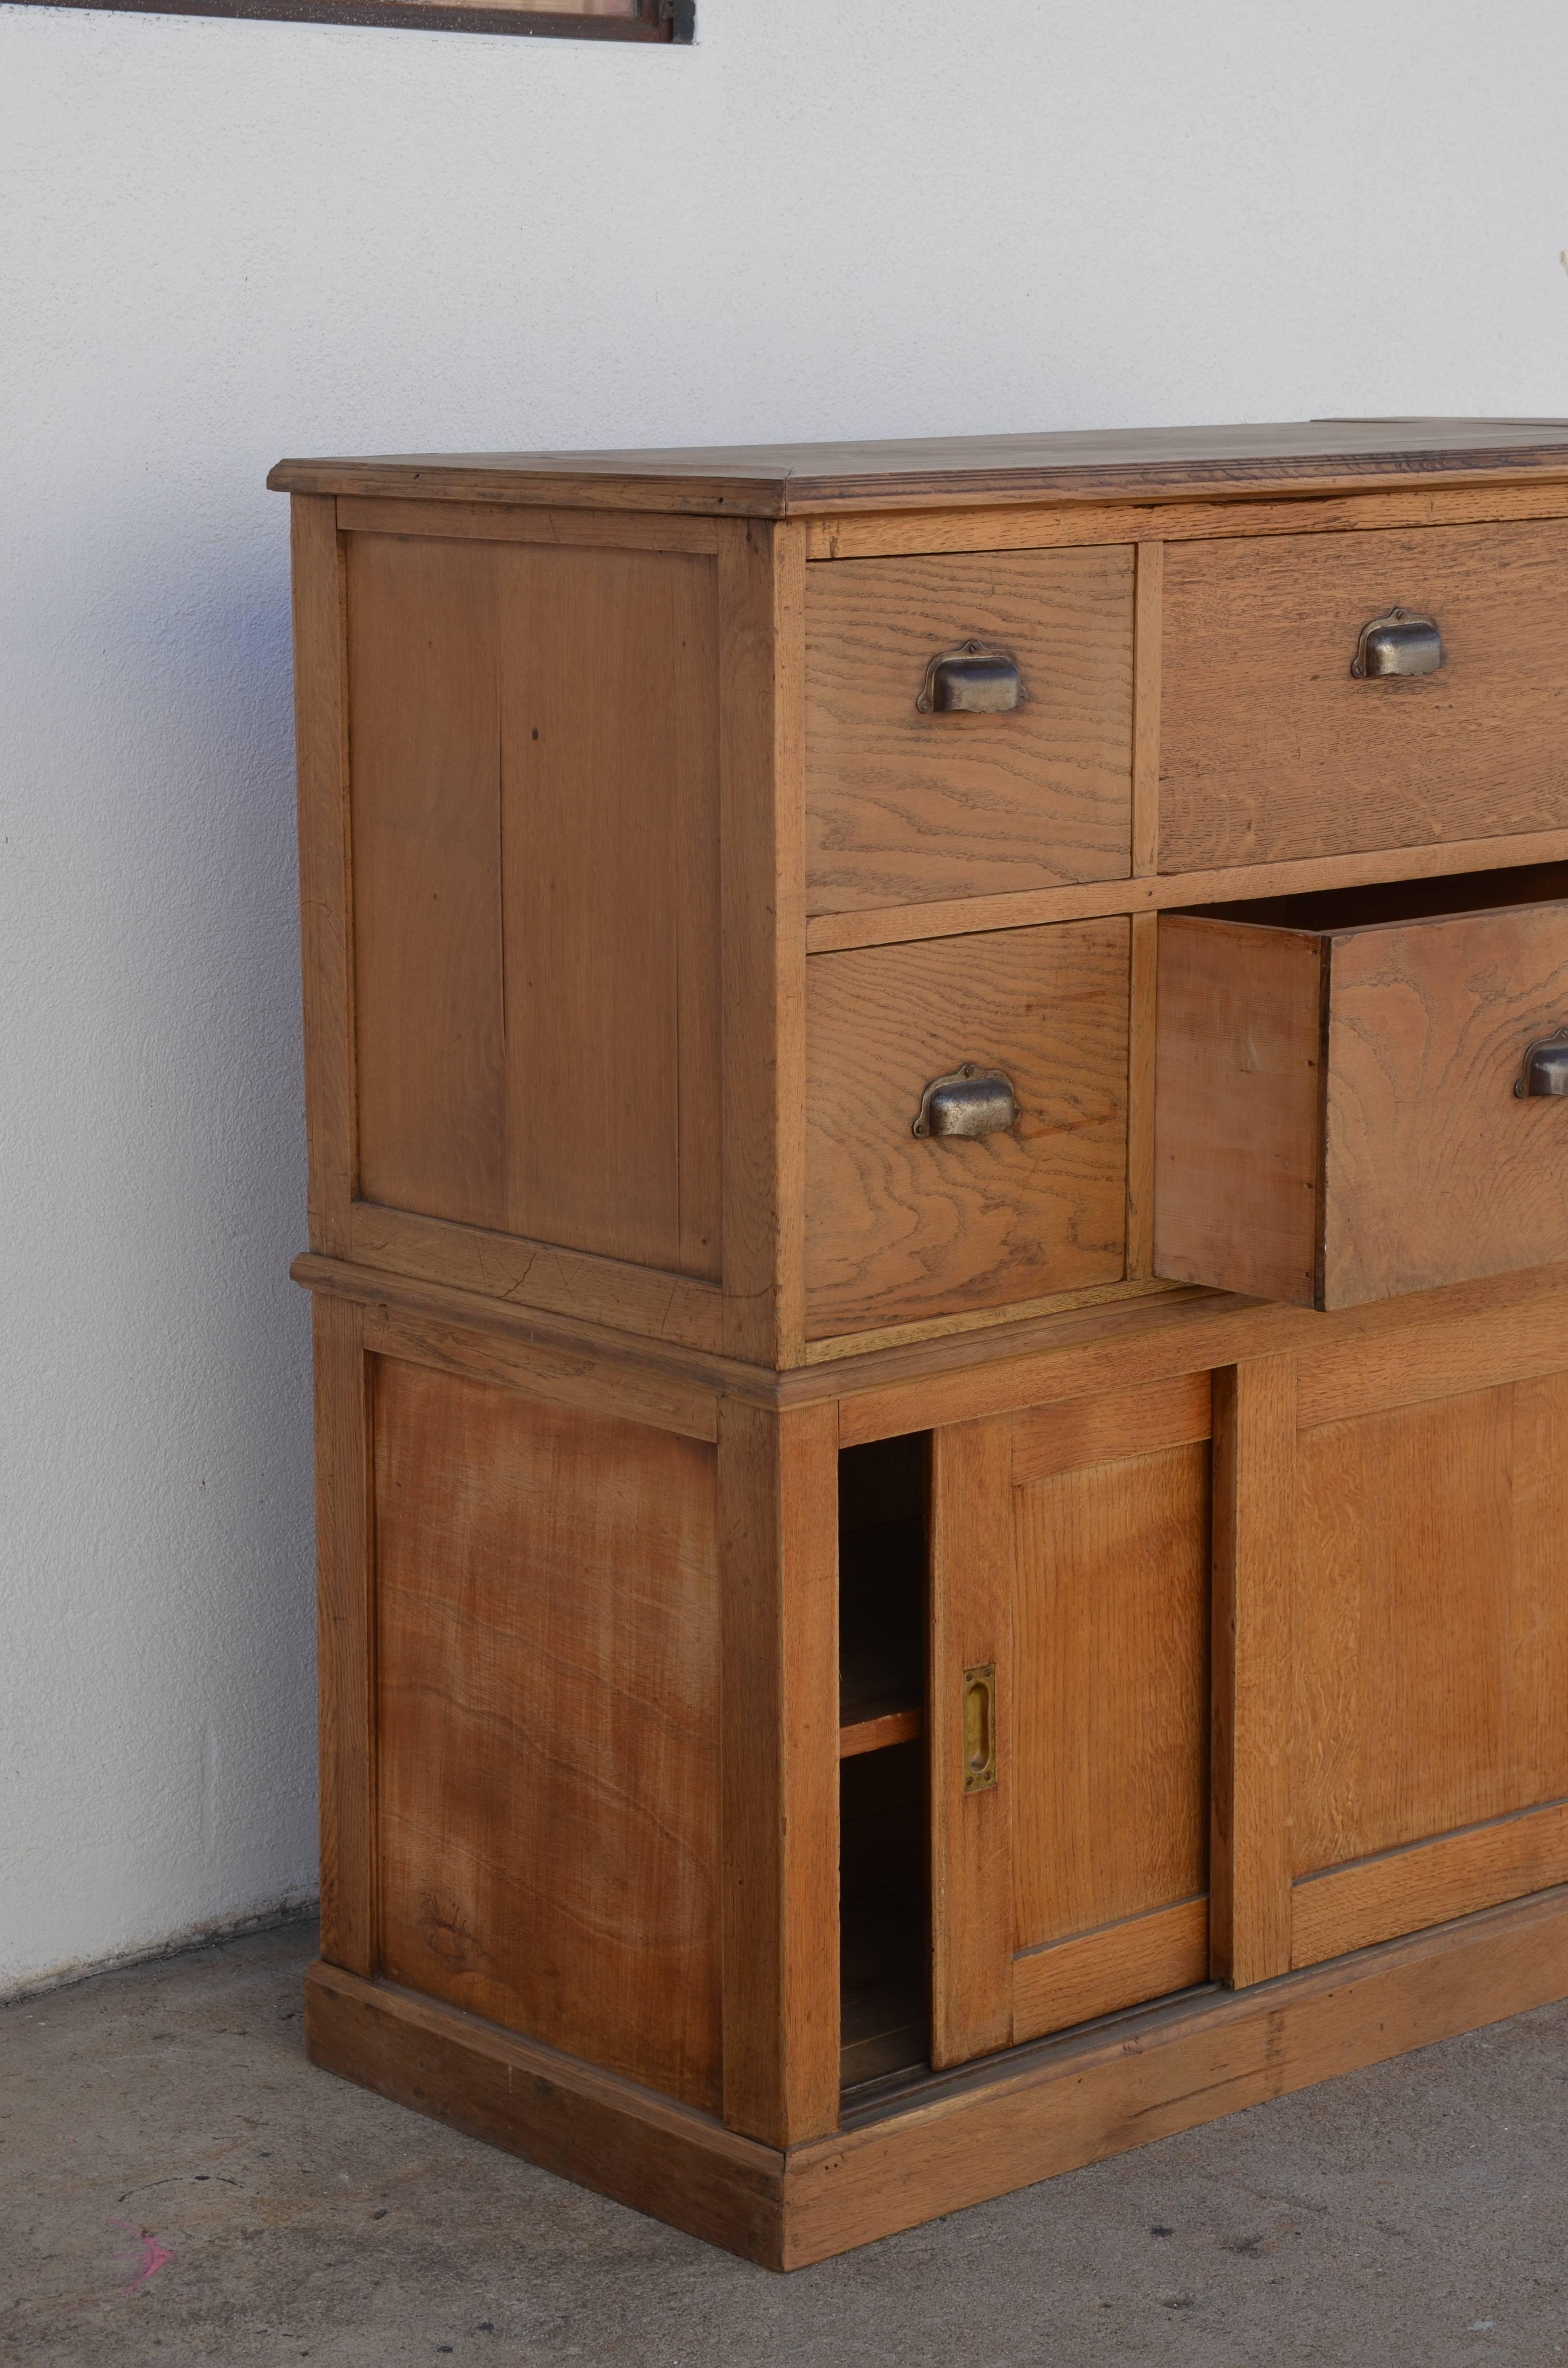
1358	1093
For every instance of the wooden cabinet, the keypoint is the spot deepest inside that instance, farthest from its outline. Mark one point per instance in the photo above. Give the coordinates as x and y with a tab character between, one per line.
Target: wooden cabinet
942	1338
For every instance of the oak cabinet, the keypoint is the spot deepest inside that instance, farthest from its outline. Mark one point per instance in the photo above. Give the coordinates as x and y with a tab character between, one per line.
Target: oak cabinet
936	1085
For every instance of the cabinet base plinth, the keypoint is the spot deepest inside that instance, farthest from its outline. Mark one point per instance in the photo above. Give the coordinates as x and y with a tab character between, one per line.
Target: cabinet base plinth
960	2138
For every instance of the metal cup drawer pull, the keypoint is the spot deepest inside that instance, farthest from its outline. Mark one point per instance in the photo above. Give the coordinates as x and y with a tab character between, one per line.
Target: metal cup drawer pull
970	680
1546	1068
970	1100
1398	644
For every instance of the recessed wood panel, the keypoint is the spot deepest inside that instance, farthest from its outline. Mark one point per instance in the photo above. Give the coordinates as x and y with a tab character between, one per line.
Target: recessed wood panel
1110	1714
548	1679
903	806
1430	1622
533	758
898	1227
1272	749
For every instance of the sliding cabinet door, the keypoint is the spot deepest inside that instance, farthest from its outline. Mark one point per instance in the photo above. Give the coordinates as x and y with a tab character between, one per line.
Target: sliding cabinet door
1069	1712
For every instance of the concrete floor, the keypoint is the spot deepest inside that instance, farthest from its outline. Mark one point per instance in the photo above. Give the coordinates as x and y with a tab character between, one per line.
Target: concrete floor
178	2186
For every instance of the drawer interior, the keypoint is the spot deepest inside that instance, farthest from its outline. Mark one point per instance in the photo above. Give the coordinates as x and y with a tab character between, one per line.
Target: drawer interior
1390	901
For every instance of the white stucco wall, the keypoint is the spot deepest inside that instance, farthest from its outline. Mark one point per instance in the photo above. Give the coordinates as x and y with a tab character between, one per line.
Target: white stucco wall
221	242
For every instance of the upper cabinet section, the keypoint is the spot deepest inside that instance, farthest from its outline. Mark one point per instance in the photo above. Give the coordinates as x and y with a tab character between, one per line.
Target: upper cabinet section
969	724
1455	727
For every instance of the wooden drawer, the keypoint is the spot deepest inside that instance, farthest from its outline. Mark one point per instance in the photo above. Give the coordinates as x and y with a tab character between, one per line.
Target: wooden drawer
904	807
1272	749
1336	1111
898	1227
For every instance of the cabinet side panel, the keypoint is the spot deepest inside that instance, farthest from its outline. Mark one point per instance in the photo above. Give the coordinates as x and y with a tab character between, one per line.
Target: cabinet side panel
608	731
547	1656
425	798
321	740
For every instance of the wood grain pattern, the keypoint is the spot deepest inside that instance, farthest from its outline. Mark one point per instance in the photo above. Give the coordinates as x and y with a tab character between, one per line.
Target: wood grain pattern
1110	1716
536	881
1047	1440
344	1638
880	1732
780	1561
1432	1170
762	822
897	1226
1431	1639
1429	1882
537	1274
1254	1510
780	480
608	718
424	657
972	1549
562	1373
1147	2076
1097	1350
902	806
321	733
629	2143
1065	2102
1310	761
1143	1957
1149	600
548	1692
954	916
899	534
1238	1128
1143	1045
485	522
1513	1332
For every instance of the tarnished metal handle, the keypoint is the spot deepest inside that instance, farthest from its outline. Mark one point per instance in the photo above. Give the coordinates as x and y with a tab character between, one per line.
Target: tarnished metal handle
1398	644
970	1100
1546	1068
970	680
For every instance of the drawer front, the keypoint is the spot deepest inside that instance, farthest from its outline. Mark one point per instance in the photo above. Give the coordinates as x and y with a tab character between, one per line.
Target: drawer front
1271	748
1406	1160
900	1226
904	806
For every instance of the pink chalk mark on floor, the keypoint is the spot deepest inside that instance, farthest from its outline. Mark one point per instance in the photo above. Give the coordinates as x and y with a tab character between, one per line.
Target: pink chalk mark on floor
155	2257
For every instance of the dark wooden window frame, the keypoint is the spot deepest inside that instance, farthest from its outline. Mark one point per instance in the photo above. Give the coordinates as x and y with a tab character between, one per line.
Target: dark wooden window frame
660	22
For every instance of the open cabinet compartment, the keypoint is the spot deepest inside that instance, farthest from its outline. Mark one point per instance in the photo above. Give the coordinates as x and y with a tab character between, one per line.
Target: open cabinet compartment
884	1852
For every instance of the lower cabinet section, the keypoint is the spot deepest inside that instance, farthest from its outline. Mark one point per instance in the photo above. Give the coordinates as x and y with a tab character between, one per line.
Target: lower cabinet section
778	1780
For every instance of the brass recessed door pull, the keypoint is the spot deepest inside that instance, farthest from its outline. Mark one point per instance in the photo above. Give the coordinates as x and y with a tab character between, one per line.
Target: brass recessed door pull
970	680
1398	644
980	1729
970	1100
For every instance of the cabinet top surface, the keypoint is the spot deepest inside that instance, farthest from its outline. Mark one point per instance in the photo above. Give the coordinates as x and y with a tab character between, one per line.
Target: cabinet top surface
792	480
